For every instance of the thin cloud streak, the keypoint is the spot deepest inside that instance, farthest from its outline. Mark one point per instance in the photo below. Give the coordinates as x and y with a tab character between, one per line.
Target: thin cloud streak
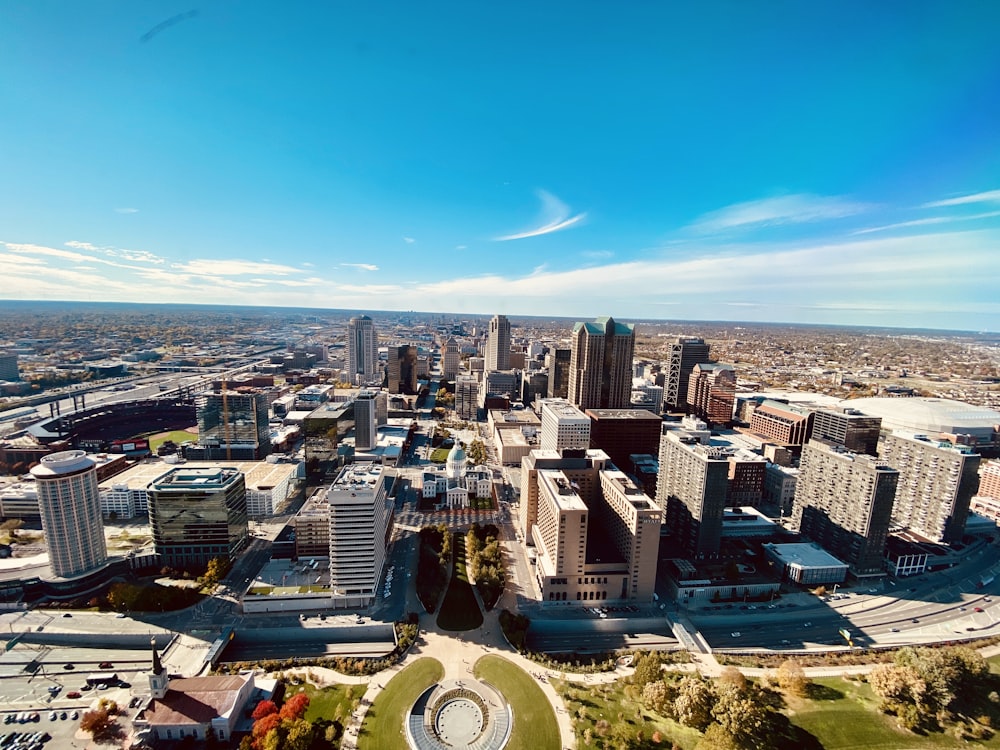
555	215
361	266
786	209
927	221
989	196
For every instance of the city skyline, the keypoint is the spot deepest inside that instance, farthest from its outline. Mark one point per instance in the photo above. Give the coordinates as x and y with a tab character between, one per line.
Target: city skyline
813	164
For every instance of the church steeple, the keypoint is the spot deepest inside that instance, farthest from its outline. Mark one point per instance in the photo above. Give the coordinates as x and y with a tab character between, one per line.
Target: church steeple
158	680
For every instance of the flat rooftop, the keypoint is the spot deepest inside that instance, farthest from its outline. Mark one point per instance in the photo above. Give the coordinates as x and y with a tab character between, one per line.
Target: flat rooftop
804	554
259	475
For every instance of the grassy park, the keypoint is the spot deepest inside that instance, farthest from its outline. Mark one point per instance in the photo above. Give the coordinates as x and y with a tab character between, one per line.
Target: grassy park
177	436
535	726
333	702
383	725
459	610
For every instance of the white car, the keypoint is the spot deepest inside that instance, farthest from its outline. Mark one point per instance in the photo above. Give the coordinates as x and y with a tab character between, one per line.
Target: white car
736	634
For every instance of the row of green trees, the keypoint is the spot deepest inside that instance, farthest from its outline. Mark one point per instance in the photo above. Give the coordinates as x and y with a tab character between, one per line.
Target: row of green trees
731	712
484	558
928	689
433	565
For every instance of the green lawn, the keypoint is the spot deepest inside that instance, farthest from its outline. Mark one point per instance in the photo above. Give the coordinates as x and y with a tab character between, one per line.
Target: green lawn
535	726
178	436
589	704
440	455
459	610
383	725
331	702
849	719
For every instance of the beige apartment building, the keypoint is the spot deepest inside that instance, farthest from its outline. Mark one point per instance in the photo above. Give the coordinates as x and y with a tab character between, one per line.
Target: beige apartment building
594	532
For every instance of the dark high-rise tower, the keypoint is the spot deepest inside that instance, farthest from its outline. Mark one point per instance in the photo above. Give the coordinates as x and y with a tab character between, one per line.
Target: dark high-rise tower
685	353
600	366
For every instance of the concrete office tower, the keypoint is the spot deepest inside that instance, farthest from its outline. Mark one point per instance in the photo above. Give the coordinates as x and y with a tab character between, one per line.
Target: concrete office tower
503	383
402	367
534	384
197	515
362	349
712	392
685	353
936	485
498	344
624	432
8	367
563	426
857	432
365	421
451	360
600	368
595	532
779	486
466	396
360	528
843	501
746	478
557	363
692	487
233	425
70	506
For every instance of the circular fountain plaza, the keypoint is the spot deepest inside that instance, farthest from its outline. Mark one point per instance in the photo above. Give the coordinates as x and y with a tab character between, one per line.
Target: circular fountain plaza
459	714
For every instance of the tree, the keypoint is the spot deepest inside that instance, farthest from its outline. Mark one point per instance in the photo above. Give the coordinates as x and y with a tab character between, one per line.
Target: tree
693	704
262	709
792	679
647	668
733	677
659	697
98	722
295	707
896	684
300	735
742	718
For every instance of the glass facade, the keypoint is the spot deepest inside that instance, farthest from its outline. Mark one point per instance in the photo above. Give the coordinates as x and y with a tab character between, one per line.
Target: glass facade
197	515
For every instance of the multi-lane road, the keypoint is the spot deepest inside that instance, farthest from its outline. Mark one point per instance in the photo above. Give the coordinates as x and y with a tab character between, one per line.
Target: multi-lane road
939	606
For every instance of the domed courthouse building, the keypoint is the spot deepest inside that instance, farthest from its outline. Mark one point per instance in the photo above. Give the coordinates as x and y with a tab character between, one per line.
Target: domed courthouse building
454	485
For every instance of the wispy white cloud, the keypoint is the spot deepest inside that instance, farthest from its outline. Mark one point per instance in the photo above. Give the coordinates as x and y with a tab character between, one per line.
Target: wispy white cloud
598	254
928	221
555	217
81	245
231	267
786	209
989	196
409	240
461	247
127	210
361	266
51	252
370	289
141	256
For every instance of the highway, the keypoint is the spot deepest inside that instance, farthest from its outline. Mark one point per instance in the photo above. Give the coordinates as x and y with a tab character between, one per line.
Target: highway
930	608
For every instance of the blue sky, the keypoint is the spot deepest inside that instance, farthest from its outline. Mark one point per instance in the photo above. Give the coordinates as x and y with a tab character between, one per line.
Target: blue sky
774	161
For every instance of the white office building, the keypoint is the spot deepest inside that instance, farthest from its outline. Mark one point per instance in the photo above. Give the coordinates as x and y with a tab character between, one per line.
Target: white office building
360	523
563	425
